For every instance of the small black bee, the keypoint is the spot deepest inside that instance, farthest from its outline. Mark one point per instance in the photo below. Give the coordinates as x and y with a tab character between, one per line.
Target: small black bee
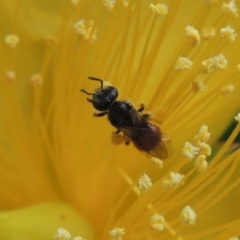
125	118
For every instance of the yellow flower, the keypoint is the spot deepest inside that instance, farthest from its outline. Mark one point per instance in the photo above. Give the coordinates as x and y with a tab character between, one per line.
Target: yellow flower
62	176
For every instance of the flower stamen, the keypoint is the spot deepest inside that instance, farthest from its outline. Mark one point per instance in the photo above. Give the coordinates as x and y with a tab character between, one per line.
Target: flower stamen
197	85
200	163
117	233
218	62
10	76
189	150
193	33
183	63
227	90
173	180
109	4
12	40
188	215
160	9
230	8
62	234
36	79
157	222
145	183
229	33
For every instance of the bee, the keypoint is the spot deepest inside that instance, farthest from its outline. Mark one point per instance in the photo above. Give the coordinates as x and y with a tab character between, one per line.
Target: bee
126	119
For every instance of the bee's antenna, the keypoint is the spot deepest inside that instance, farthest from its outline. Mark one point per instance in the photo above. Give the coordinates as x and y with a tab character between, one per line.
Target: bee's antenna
97	79
82	90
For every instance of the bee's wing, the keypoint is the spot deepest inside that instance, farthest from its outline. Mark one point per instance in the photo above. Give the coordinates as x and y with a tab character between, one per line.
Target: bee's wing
162	150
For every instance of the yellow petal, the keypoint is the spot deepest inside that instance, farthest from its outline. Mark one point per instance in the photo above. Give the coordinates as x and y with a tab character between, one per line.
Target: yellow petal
41	221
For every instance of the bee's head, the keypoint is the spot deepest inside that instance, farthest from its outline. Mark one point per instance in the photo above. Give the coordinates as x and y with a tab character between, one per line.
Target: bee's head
103	97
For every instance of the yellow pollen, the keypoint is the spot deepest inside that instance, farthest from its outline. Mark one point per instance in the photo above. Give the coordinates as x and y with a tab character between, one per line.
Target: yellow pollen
89	29
117	138
208	33
238	67
108	4
200	163
62	234
229	33
173	180
36	80
208	1
145	183
12	40
80	28
107	84
204	149
10	76
78	238
157	222
237	118
189	150
51	40
233	238
218	62
193	33
117	233
160	9
125	3
203	134
230	8
227	90
183	63
75	2
188	215
197	85
157	162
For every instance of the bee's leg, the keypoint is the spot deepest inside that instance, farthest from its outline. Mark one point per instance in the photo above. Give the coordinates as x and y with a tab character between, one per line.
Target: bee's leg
146	116
117	137
99	114
142	107
117	132
123	137
127	142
